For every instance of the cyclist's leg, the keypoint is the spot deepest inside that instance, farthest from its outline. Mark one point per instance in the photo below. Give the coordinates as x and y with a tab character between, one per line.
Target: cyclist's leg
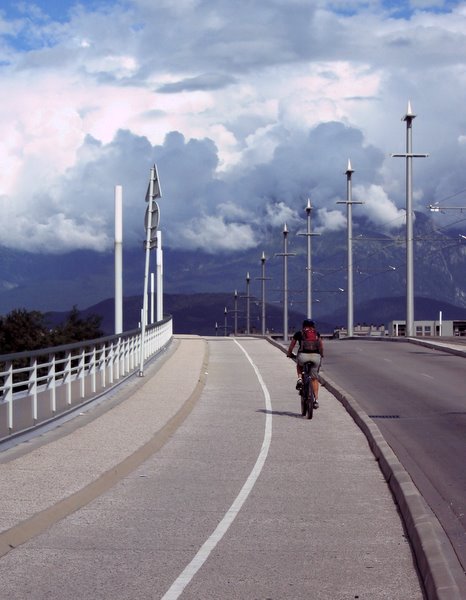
299	370
315	375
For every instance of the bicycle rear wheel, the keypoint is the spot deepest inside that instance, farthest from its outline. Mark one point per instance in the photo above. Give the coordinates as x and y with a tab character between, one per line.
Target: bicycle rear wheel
307	402
310	398
303	403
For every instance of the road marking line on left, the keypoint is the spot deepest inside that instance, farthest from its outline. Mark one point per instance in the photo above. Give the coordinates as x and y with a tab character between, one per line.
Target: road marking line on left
202	555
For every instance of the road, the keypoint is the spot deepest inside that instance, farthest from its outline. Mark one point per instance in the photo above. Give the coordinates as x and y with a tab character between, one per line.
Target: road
245	498
417	397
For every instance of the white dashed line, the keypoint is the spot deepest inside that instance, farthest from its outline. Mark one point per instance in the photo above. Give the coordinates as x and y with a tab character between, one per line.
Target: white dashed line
427	375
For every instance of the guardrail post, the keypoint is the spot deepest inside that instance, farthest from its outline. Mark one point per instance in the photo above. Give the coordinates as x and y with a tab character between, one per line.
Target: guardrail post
81	373
8	393
51	383
103	366
92	369
111	361
67	377
32	387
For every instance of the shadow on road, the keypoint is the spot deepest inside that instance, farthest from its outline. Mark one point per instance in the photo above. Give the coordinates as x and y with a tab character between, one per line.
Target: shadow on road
279	413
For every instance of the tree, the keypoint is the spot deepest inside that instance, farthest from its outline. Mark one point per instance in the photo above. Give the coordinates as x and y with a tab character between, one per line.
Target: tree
23	330
77	328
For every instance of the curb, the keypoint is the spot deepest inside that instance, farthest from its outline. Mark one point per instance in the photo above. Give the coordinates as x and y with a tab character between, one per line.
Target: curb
419	521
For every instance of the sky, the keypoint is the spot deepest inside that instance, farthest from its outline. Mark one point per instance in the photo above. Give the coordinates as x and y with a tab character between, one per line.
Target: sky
247	107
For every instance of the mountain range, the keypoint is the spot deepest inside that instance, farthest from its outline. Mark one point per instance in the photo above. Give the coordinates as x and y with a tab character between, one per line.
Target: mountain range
83	278
204	314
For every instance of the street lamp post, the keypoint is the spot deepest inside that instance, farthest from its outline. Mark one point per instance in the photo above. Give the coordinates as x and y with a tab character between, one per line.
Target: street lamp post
408	118
263	279
118	259
248	305
285	255
309	235
349	226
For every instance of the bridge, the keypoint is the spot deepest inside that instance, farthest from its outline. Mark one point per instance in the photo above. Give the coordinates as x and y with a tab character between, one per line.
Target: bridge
202	480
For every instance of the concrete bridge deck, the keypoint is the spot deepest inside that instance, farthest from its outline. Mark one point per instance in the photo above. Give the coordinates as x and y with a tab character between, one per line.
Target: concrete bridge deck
201	480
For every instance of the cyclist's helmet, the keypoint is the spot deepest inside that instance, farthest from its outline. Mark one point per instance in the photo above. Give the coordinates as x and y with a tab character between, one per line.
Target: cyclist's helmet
308	323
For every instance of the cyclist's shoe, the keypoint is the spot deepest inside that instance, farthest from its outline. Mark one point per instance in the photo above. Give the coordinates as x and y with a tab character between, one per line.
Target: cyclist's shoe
299	385
316	404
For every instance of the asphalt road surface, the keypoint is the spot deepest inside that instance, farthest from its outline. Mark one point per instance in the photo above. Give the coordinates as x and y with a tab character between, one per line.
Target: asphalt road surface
417	397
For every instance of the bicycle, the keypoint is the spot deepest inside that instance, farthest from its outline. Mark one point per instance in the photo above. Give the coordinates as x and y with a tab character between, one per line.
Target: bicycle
307	392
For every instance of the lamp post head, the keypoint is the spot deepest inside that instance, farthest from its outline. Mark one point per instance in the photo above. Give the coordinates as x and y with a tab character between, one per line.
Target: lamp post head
349	169
285	230
248	279
409	116
263	257
308	207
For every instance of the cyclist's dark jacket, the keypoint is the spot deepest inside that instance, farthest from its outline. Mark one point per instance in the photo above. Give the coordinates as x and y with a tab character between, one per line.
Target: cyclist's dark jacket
298	336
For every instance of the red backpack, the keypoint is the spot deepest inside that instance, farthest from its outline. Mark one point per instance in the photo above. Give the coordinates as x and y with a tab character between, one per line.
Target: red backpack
310	340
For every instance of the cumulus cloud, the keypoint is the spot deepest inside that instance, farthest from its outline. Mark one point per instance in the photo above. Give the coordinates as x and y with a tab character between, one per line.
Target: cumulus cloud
378	208
245	117
330	220
212	234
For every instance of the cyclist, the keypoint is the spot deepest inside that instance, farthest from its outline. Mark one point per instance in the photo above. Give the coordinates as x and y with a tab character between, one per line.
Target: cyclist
310	349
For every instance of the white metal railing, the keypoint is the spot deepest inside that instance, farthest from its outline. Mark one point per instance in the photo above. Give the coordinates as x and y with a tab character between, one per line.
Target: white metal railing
35	387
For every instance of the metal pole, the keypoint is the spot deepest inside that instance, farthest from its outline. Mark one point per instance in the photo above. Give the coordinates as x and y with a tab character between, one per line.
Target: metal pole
285	255
118	259
349	209
409	228
309	235
349	227
408	118
152	296
236	312
248	311
308	268
263	279
263	259
159	261
225	325
285	284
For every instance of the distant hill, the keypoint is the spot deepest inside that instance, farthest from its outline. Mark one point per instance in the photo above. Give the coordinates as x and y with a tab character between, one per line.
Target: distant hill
199	313
193	314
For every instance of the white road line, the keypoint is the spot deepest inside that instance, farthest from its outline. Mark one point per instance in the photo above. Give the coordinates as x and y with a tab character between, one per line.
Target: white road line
188	573
427	375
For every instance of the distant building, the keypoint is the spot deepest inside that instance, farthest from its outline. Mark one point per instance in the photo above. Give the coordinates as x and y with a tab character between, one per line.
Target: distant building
361	330
433	328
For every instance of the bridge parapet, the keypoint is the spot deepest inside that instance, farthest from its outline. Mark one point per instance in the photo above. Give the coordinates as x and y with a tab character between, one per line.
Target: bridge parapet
38	386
